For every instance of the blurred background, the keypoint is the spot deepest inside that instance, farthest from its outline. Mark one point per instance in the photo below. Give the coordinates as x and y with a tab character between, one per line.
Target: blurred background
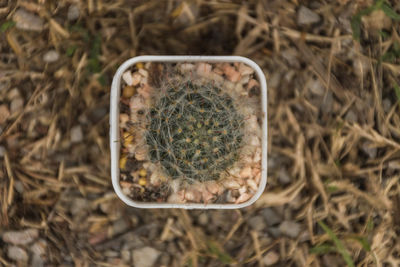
333	73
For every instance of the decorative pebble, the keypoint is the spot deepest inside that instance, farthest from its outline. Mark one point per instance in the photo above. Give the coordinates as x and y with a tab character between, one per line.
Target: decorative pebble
243	198
136	78
73	12
245	70
128	91
51	56
127	77
252	184
231	184
231	73
144	73
245	172
141	153
305	16
290	228
203	69
186	67
123	119
145	257
17	254
76	134
26	20
4	113
270	258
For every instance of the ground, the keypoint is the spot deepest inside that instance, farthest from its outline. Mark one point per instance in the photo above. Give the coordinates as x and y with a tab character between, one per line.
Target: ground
333	73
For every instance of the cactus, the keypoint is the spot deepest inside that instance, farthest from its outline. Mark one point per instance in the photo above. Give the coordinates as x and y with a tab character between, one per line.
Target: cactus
193	131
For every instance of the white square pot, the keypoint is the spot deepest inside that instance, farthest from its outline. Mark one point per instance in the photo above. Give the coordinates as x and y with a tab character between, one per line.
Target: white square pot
115	138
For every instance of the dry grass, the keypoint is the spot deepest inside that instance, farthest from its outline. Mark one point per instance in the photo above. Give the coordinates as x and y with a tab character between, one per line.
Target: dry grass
334	131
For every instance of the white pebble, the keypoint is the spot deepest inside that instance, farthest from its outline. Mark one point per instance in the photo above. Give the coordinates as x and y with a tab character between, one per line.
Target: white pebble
246	172
145	257
270	258
203	69
252	184
242	190
306	16
144	73
243	198
231	184
51	56
186	67
176	198
136	78
127	77
245	70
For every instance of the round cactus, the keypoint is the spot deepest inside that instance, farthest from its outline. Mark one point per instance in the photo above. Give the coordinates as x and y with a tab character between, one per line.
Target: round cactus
194	131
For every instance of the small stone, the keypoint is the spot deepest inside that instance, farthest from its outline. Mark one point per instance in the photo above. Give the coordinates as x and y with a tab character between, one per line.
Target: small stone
17	254
2	151
13	93
4	113
203	219
119	226
39	247
76	134
51	56
73	12
369	150
145	257
127	77
136	78
387	104
78	205
316	87
283	176
37	261
351	116
376	21
245	172
128	91
291	56
270	258
257	223
274	232
305	16
126	256
270	216
16	105
20	237
290	229
26	20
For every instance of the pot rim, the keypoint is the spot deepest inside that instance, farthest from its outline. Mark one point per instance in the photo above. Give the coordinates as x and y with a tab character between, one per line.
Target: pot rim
114	129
